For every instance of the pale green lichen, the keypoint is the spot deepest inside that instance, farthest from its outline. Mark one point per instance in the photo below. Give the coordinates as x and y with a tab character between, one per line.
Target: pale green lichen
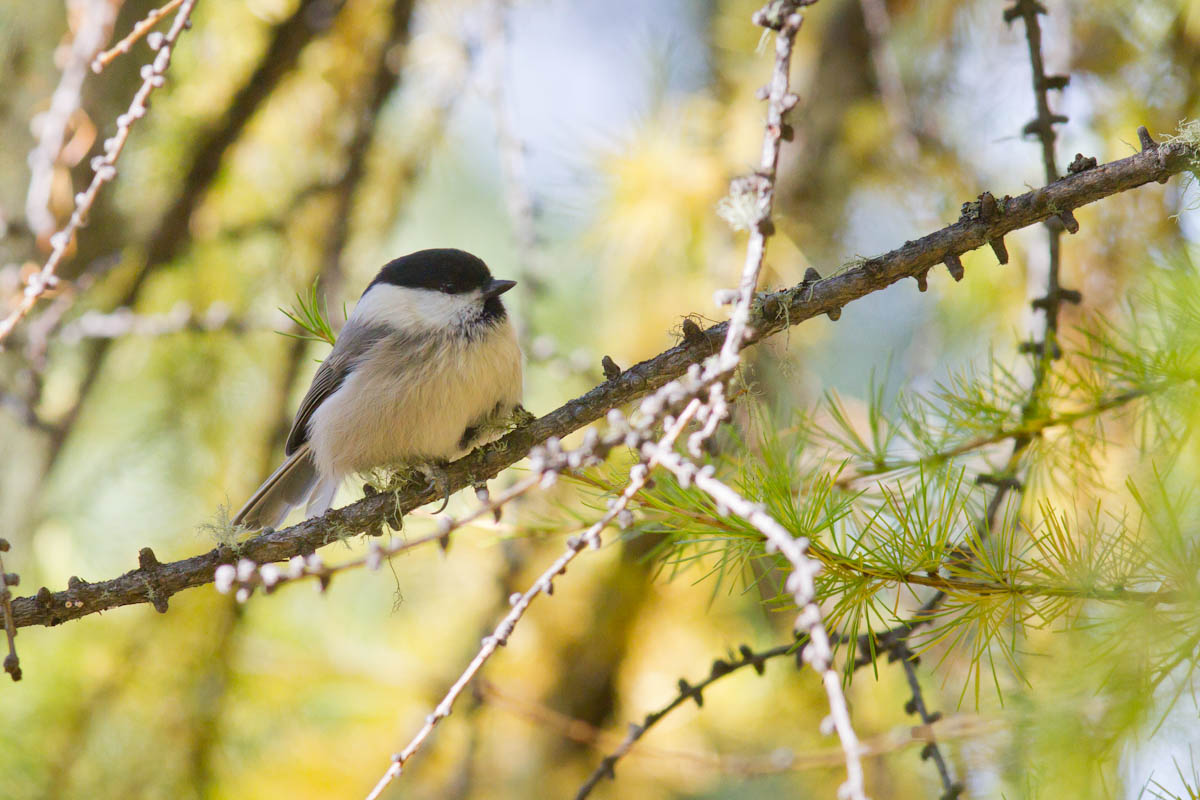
520	418
1188	133
221	528
741	208
394	477
338	532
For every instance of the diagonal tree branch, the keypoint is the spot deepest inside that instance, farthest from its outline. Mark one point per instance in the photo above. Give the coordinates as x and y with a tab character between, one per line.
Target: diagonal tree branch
916	705
142	28
94	26
288	39
981	223
687	691
104	168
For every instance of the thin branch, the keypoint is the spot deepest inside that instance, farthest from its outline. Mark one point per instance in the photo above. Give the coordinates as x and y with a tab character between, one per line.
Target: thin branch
916	705
182	317
1029	429
750	205
139	30
94	21
896	642
553	461
687	691
247	575
777	761
1043	126
287	40
759	189
771	313
104	170
12	664
819	650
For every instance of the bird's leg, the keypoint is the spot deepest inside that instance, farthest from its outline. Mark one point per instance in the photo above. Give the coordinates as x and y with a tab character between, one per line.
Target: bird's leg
394	519
439	480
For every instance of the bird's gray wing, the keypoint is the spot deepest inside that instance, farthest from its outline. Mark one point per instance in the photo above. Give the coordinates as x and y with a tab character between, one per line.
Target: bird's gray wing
352	344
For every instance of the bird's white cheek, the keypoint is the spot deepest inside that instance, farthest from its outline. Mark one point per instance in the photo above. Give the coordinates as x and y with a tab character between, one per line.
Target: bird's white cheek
406	309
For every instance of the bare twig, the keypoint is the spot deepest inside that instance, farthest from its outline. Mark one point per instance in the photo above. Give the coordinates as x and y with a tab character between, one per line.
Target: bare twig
1029	429
247	575
286	41
93	22
785	19
754	195
124	322
1042	126
105	169
759	189
550	463
895	642
687	691
12	664
916	705
777	761
139	30
819	651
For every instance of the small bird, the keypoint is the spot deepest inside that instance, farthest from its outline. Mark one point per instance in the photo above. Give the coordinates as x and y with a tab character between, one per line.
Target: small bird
426	367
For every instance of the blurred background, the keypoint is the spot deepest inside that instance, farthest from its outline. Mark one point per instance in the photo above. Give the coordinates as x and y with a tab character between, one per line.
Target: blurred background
580	147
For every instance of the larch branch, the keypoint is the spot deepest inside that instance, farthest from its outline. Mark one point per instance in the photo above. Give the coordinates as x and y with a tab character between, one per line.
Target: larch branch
771	312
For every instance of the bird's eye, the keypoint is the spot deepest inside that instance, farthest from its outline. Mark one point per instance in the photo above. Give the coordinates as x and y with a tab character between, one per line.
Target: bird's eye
448	288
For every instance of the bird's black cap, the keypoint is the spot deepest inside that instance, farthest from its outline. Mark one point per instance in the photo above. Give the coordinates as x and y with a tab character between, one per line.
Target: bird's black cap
442	269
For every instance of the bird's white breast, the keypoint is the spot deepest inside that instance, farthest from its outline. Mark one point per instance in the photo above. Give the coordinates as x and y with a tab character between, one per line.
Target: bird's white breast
410	404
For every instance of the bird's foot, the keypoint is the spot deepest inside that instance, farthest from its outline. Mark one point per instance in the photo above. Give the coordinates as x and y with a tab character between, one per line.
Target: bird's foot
439	480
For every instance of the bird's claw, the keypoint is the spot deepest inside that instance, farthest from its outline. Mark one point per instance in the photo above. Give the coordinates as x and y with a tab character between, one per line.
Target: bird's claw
439	481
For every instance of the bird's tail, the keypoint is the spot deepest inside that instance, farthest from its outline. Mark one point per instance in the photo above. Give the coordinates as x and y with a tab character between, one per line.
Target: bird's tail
295	482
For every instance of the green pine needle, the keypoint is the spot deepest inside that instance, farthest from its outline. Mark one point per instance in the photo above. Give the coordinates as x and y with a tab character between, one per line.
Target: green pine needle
310	313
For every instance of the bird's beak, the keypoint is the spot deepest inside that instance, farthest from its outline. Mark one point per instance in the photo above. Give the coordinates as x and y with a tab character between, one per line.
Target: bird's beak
497	288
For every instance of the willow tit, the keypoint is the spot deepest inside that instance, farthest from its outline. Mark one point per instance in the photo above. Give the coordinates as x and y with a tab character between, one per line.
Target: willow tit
426	368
